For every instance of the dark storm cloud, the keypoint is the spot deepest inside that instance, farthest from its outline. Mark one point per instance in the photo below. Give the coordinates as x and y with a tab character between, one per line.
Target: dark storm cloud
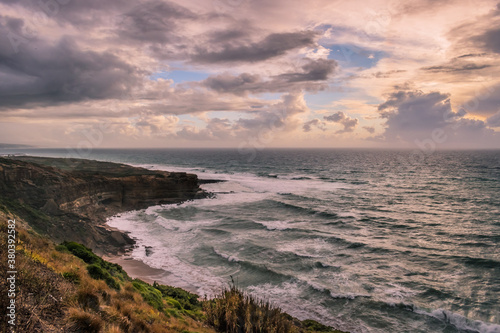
314	70
455	68
155	21
471	55
414	115
480	36
414	110
223	36
273	45
88	13
44	73
489	40
312	77
228	83
486	102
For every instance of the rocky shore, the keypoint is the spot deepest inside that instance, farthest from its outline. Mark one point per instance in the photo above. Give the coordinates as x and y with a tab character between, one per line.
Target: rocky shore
70	199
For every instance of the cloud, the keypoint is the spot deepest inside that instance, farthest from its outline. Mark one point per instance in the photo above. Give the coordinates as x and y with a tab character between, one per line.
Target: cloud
314	70
369	129
480	34
456	68
471	55
154	21
45	73
81	62
311	78
494	120
485	102
307	127
386	74
282	116
274	45
416	116
414	111
216	129
489	40
341	118
160	125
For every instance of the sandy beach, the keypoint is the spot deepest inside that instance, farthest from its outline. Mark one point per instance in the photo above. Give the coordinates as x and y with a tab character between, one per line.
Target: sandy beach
138	270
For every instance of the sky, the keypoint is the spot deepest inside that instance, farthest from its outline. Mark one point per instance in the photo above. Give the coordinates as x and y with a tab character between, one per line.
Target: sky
250	73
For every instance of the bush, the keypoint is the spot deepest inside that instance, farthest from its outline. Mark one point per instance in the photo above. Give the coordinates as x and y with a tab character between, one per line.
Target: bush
112	283
233	311
98	268
314	326
187	300
81	252
96	272
150	294
72	277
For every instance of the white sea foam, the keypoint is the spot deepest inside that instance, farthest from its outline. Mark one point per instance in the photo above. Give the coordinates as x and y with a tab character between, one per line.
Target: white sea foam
276	225
255	183
168	252
231	258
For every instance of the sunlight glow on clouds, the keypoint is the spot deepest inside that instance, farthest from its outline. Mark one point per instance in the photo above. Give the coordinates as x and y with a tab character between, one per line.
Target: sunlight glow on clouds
224	73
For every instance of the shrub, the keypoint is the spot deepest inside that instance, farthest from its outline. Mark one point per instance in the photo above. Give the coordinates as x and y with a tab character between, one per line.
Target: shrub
72	277
150	294
82	321
81	252
233	311
187	300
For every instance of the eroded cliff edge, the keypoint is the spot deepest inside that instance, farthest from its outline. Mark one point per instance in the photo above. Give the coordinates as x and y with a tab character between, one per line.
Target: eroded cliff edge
70	199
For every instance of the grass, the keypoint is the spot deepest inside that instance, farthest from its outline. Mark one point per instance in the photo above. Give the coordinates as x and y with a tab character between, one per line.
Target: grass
233	311
98	268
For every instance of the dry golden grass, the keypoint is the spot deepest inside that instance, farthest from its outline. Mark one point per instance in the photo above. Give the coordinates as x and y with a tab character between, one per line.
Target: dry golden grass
84	321
84	304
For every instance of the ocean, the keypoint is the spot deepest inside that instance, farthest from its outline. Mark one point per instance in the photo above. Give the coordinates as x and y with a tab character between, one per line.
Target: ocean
364	240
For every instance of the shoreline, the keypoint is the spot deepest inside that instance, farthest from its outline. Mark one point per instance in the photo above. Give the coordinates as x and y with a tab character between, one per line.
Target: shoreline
137	269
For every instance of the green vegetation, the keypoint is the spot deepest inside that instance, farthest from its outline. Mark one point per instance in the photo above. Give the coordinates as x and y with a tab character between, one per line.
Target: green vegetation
24	211
98	268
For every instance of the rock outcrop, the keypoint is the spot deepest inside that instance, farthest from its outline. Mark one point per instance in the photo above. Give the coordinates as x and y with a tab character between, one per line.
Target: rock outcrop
69	199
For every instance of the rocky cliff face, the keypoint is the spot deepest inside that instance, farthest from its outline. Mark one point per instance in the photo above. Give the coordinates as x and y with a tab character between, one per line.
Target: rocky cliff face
74	197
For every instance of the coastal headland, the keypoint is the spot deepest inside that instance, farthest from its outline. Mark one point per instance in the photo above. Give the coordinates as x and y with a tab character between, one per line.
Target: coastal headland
72	198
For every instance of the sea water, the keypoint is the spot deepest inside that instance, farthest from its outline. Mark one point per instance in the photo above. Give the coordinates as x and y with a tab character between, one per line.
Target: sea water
366	241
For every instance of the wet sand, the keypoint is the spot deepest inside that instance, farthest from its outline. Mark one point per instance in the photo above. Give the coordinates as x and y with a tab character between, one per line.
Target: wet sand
138	270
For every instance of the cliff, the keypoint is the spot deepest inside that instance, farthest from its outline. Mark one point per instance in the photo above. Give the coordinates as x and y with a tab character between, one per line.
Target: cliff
69	199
